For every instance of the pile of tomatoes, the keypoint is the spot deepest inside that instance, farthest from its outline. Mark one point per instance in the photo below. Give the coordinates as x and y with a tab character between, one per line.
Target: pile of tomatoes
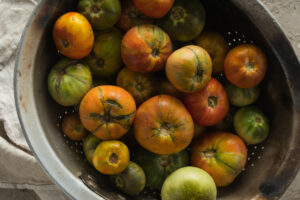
165	117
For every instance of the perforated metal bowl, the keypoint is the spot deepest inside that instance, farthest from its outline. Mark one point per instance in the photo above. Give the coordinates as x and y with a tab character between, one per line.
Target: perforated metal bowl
271	166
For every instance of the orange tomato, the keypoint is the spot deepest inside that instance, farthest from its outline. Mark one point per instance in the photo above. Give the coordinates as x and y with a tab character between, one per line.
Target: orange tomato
146	48
215	44
154	8
72	127
163	125
222	155
73	35
107	112
245	66
111	157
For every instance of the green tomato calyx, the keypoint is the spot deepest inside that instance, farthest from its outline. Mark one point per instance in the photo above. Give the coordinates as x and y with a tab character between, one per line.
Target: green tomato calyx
166	129
65	43
95	8
155	52
100	62
250	66
178	13
113	158
165	161
212	101
209	153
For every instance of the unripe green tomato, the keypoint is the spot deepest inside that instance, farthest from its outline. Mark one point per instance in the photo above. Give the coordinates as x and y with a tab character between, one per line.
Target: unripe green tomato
68	81
251	125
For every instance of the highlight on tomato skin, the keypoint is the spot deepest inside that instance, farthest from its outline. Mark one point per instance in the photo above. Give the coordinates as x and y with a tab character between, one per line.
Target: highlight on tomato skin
73	35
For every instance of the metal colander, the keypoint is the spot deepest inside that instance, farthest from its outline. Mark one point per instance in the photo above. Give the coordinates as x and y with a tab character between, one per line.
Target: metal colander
271	165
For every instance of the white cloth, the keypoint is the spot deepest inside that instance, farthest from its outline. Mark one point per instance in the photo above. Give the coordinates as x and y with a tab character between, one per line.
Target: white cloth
18	168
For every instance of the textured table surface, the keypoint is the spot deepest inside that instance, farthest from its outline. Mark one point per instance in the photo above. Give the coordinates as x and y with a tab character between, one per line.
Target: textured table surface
287	13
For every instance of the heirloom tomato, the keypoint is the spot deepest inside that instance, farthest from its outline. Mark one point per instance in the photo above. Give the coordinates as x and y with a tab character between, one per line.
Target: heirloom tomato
222	155
107	111
163	125
146	48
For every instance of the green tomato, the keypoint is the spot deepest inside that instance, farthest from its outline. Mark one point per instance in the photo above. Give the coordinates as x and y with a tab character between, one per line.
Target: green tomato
158	167
251	125
105	61
90	144
131	181
185	21
68	81
189	183
242	96
102	14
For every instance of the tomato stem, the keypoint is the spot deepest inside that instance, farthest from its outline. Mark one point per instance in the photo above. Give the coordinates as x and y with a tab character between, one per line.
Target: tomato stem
177	13
155	52
212	101
113	158
65	43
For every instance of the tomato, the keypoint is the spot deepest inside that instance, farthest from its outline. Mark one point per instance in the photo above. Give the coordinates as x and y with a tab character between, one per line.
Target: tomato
154	8
131	16
131	181
140	86
73	35
90	144
146	48
165	87
222	155
189	68
72	127
111	157
217	47
158	167
163	125
245	66
189	183
185	21
209	106
107	112
251	124
242	96
105	60
102	14
68	81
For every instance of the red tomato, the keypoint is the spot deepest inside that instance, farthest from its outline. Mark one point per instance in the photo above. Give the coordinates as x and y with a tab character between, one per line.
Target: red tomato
154	8
208	106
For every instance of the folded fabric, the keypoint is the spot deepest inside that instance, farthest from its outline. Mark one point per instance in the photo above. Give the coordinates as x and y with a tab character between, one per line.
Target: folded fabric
18	167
